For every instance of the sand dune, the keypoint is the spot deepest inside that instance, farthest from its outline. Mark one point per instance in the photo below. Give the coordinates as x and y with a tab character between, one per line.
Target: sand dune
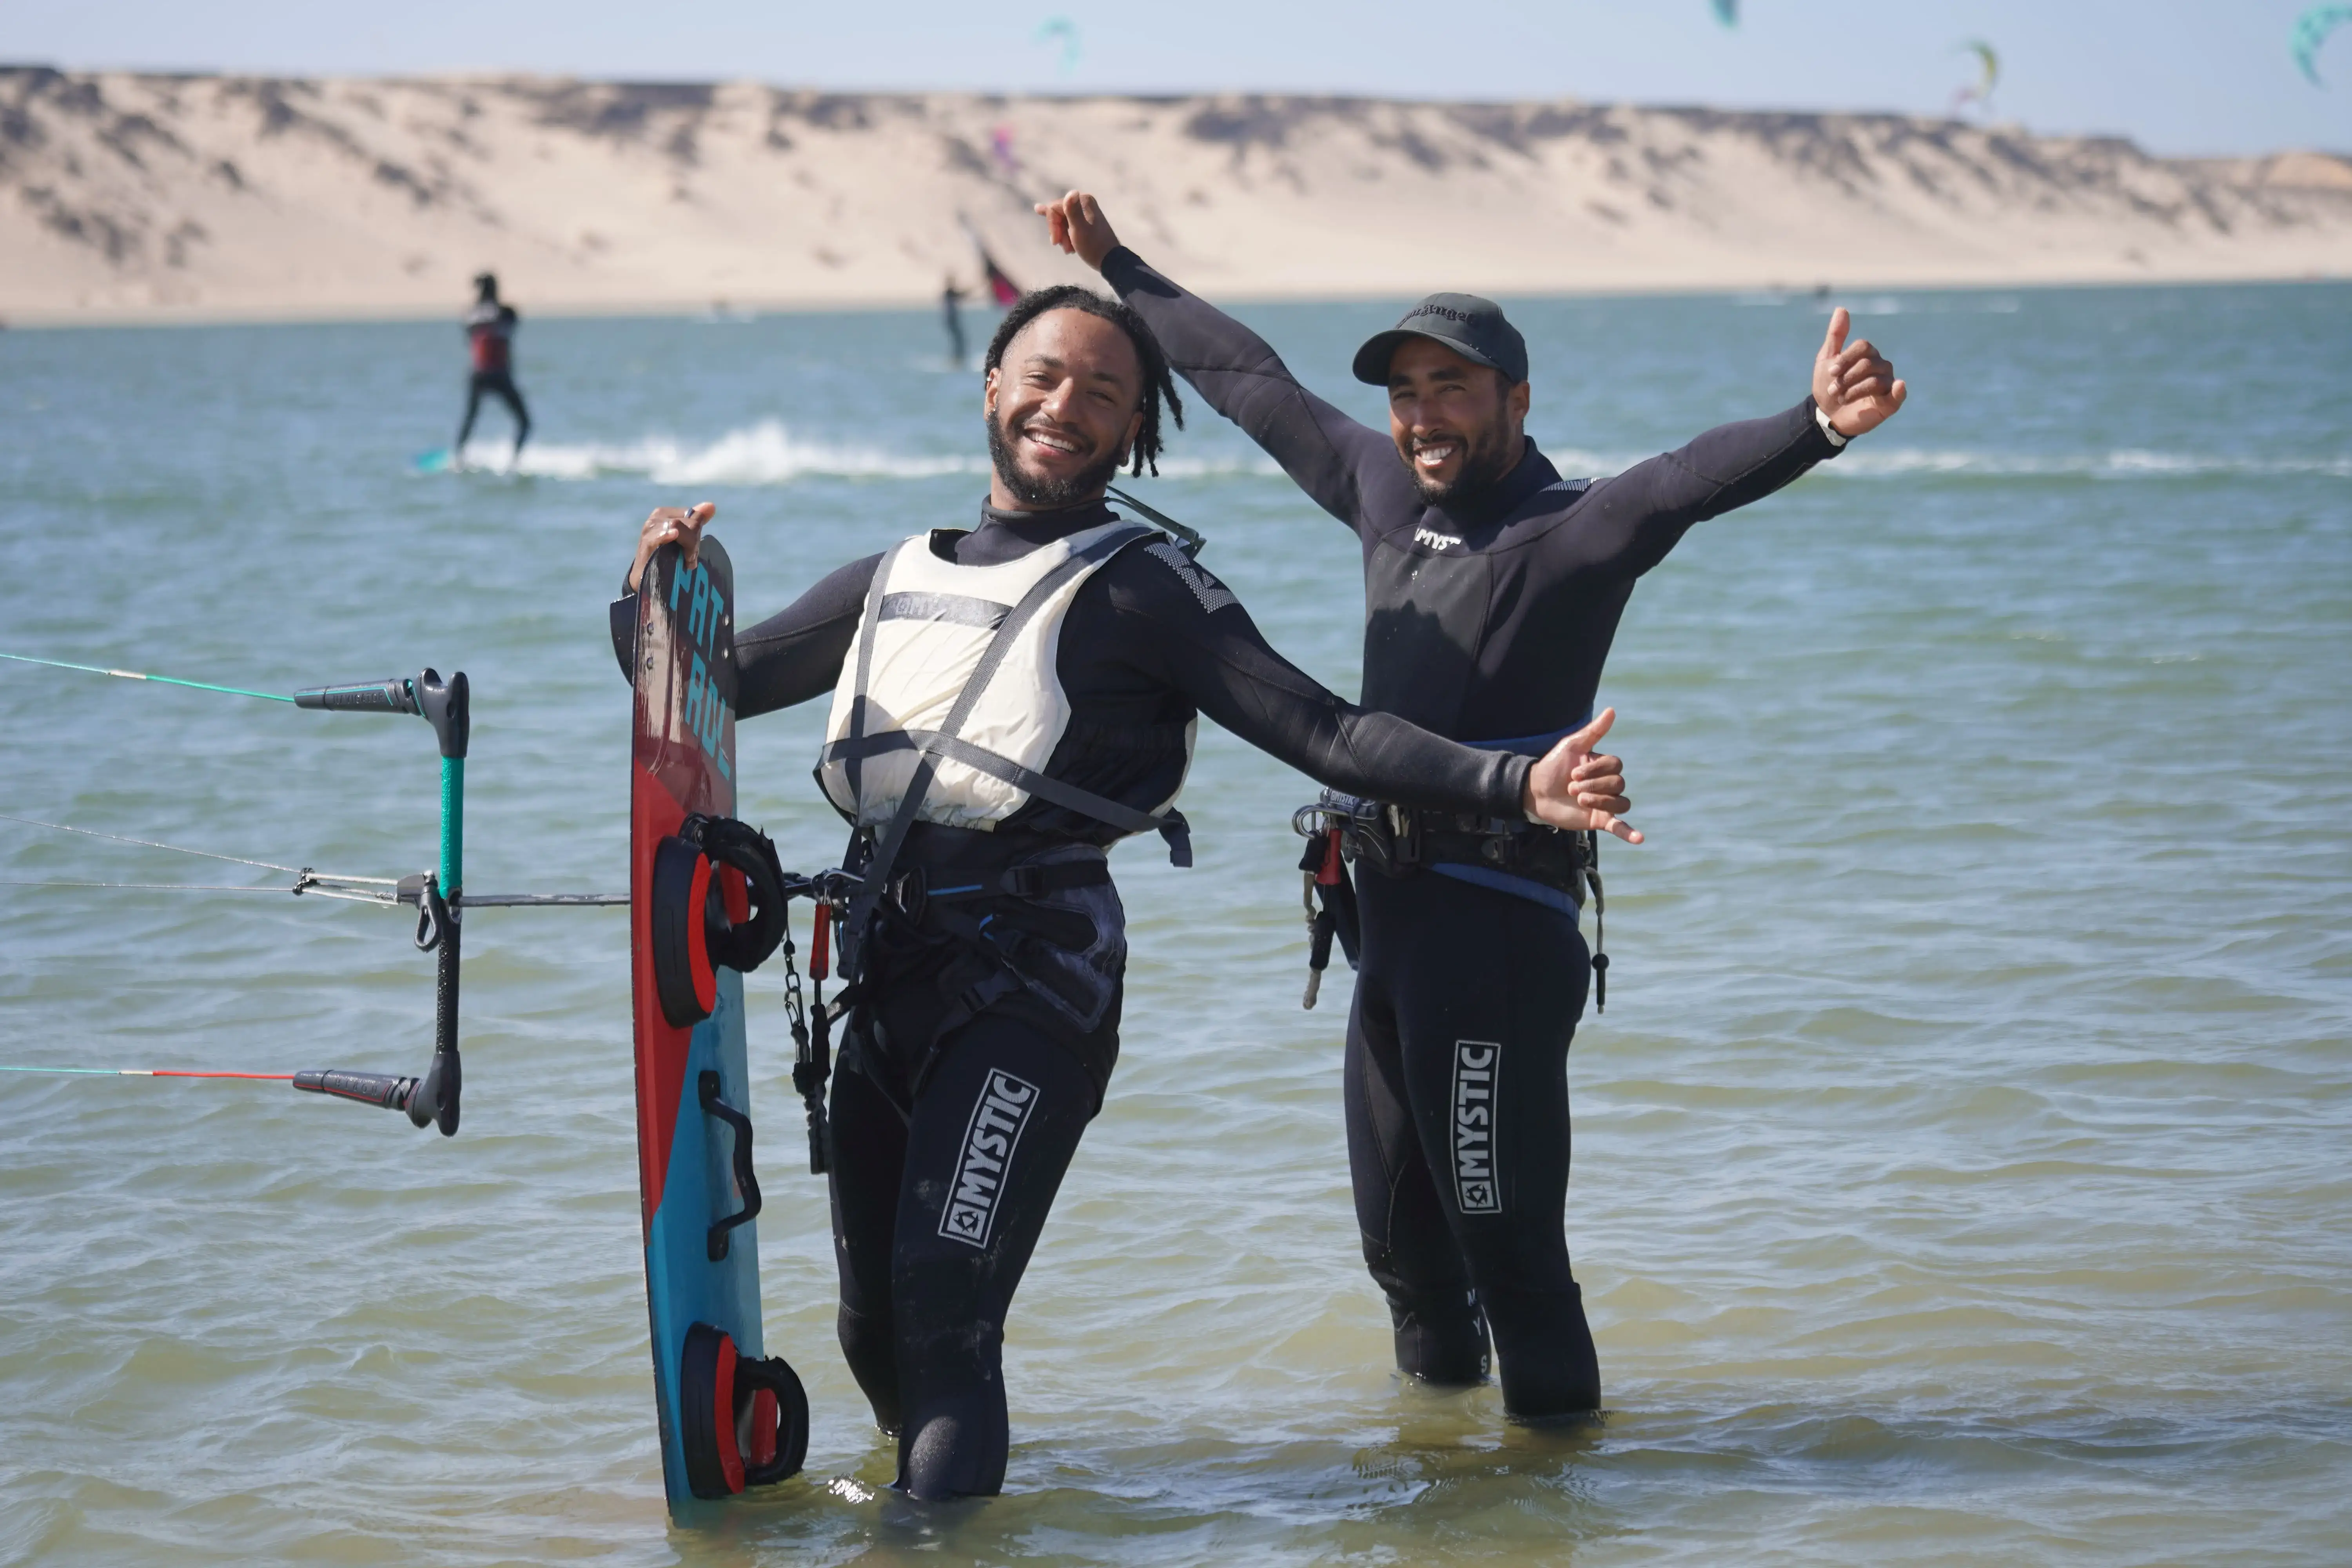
127	196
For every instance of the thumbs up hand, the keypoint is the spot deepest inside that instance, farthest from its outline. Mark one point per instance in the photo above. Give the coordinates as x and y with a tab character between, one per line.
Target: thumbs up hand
1852	384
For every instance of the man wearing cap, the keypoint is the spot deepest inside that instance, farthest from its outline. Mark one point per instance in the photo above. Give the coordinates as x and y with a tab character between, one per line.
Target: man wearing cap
1492	589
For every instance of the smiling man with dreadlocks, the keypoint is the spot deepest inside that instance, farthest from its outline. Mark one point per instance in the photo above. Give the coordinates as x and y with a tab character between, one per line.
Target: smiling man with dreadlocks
1007	702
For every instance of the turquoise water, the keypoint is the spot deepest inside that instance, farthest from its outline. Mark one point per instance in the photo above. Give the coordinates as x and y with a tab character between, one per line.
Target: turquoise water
1961	1163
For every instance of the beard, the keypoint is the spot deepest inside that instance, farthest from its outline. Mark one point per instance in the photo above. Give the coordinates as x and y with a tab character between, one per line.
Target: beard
1483	468
1046	491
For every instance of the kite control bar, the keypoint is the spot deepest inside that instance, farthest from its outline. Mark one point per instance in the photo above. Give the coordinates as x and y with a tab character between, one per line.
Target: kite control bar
432	1100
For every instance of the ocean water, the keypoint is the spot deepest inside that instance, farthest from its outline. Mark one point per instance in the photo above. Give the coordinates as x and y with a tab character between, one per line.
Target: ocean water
1961	1164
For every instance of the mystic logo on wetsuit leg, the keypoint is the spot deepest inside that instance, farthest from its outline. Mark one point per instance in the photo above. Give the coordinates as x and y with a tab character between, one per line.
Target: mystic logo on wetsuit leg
1476	1065
997	1118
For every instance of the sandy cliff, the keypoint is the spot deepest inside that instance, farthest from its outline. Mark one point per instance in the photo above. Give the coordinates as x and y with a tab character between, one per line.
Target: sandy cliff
140	196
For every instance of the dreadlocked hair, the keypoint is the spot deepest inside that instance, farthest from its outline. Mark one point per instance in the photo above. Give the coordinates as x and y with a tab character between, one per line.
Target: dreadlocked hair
1159	385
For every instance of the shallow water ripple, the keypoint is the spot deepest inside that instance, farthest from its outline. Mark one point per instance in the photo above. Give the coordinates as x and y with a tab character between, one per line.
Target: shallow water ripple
1960	1165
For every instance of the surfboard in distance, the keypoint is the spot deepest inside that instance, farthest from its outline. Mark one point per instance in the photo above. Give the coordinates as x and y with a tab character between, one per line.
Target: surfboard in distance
439	460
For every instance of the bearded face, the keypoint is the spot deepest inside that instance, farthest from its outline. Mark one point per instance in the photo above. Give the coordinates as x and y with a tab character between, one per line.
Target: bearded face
1457	425
1063	409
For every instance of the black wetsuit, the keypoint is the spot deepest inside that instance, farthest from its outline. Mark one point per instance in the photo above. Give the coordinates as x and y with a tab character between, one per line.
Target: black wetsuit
929	1262
490	337
1489	625
951	311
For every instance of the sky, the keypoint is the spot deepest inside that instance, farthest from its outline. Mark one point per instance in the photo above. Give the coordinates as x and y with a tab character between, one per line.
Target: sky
2181	76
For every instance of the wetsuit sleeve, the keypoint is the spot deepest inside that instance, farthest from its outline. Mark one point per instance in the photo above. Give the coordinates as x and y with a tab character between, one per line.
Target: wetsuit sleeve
1350	469
1187	630
1631	522
790	656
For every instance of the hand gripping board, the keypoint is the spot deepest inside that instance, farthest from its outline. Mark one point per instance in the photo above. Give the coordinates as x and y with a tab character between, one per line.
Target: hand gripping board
683	760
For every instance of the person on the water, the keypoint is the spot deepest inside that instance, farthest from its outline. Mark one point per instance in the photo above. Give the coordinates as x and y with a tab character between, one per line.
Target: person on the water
986	1000
1492	588
951	315
490	337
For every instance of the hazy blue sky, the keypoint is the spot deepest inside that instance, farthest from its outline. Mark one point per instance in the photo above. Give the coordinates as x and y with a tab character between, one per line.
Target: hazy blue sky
2181	76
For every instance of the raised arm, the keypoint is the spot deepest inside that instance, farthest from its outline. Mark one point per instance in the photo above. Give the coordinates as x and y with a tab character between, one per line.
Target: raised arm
1197	637
1631	522
1332	458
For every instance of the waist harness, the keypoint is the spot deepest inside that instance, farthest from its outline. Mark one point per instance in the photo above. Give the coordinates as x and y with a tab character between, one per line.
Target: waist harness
1403	841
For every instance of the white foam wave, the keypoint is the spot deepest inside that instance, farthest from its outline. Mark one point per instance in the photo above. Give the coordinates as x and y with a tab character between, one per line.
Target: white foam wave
767	453
762	454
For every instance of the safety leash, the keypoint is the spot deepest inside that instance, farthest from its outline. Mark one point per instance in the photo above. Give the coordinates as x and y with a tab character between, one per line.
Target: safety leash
1600	924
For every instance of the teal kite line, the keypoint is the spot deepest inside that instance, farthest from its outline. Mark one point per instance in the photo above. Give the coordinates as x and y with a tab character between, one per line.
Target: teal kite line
134	675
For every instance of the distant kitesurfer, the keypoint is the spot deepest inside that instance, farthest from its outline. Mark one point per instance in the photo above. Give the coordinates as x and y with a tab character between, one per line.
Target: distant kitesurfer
951	311
489	335
1492	589
986	997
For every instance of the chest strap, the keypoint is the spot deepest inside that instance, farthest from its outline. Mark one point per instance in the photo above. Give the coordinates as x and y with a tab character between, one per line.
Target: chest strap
1170	826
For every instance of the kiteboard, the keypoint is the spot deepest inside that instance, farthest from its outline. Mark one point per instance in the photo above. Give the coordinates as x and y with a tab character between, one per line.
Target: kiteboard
729	1419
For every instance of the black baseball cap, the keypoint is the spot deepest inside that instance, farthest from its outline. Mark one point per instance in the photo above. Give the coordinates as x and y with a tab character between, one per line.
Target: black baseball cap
1470	326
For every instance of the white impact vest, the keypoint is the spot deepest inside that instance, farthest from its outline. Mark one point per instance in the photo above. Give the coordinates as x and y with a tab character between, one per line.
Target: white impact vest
928	627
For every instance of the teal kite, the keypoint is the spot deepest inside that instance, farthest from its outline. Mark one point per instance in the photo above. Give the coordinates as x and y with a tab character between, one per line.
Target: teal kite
2311	30
1728	12
1061	27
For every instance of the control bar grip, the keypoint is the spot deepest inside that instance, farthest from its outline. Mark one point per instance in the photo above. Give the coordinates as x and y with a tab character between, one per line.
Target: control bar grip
392	696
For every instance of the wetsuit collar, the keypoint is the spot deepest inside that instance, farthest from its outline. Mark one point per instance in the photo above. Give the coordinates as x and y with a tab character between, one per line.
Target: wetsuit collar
1532	473
1004	536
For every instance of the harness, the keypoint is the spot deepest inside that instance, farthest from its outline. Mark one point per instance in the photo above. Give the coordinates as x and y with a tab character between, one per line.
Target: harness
1403	841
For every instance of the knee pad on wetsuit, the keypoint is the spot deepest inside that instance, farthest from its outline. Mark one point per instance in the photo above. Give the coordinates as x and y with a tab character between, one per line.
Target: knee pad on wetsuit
870	1347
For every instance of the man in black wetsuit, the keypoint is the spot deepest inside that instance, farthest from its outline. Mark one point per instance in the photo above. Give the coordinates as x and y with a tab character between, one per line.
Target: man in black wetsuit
985	1019
951	315
1492	588
489	342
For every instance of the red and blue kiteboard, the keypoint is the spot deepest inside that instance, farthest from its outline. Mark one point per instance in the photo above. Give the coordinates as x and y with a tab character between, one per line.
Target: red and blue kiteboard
729	1419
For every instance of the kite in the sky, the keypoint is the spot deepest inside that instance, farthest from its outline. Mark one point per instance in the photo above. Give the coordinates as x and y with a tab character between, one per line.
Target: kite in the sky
2311	30
1001	288
1728	12
1978	92
1061	27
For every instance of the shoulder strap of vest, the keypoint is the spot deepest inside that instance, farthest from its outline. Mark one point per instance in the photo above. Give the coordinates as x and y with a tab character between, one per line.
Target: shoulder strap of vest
874	596
876	874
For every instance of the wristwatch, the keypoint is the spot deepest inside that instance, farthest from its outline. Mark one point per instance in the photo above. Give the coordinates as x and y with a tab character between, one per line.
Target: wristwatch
1821	418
